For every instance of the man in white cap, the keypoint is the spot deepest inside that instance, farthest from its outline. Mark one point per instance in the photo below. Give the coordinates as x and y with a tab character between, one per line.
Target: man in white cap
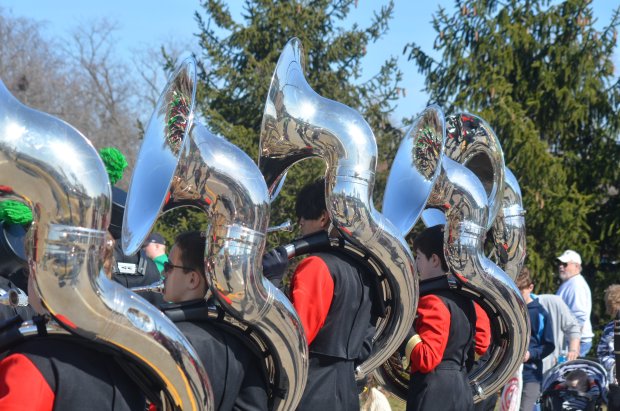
576	294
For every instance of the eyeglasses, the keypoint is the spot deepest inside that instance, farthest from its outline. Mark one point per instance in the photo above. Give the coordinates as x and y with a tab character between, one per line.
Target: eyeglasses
168	266
562	264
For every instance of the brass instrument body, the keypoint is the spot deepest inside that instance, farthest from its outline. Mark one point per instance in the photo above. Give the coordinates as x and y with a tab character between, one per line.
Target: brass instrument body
194	167
509	228
462	198
71	203
298	124
13	297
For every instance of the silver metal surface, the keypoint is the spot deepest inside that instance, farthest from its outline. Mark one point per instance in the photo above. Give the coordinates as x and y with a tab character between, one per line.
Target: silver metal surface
509	228
156	287
181	163
414	170
461	197
58	174
464	237
297	124
472	142
13	297
285	226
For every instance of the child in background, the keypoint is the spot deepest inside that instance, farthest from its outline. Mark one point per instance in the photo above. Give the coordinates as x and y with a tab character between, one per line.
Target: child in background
541	342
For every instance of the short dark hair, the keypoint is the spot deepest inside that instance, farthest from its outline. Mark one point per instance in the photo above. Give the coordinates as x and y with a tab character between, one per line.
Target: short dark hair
429	242
581	377
524	279
310	202
192	245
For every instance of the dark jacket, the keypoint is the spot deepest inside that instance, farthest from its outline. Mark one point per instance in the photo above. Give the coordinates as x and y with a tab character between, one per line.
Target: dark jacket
235	371
429	390
345	339
541	342
64	373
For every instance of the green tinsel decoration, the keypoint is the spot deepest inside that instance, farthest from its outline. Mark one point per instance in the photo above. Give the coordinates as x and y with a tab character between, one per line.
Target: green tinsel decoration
115	163
14	212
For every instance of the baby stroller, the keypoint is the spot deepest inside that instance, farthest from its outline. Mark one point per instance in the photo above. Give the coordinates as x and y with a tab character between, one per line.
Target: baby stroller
574	385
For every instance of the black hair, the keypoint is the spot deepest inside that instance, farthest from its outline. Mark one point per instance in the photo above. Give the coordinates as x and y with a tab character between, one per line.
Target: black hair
192	245
429	242
310	202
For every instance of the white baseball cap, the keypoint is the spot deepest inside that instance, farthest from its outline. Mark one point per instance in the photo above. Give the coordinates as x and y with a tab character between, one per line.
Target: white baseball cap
570	256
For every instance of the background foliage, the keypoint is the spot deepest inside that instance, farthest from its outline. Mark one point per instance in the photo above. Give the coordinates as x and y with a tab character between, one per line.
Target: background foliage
539	72
239	59
543	77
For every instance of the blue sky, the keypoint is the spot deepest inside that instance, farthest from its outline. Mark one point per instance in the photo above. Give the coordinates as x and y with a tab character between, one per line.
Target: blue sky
150	23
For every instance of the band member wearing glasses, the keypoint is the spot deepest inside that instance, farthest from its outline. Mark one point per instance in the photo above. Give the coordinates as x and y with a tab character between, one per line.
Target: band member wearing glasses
575	292
237	377
63	372
333	296
450	328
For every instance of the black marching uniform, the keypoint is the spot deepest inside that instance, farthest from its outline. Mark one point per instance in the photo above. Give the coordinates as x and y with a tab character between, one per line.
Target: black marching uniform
446	387
65	373
345	339
236	373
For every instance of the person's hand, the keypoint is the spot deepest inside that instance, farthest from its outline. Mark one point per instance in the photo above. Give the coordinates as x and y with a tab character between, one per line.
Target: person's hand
572	355
527	356
275	264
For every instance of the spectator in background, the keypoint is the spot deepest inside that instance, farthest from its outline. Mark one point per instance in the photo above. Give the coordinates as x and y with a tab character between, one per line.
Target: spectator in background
155	248
605	349
566	329
541	342
576	294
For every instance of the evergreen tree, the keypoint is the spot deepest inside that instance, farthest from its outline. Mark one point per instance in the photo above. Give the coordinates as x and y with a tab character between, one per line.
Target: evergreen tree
542	76
238	59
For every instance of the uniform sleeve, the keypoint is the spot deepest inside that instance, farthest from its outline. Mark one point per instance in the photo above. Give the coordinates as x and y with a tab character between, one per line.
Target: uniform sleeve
22	387
312	290
483	330
433	327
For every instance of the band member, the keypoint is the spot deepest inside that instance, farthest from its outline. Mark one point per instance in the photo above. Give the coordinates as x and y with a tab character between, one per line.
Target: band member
58	372
333	296
449	330
240	383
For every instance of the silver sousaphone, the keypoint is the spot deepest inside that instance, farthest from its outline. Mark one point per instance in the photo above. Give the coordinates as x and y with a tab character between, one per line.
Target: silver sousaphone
53	169
181	163
298	124
460	195
509	228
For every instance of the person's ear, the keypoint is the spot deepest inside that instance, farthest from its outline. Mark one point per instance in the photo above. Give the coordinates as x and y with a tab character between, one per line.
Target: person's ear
435	260
194	279
324	219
